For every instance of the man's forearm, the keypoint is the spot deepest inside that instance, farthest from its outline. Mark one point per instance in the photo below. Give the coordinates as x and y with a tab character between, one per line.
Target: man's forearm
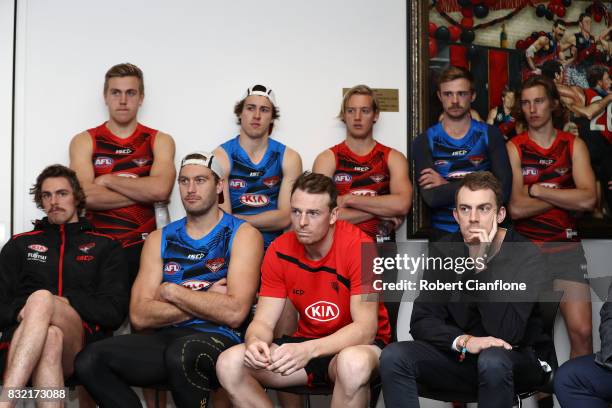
273	220
574	199
354	216
387	205
153	314
258	330
143	190
101	198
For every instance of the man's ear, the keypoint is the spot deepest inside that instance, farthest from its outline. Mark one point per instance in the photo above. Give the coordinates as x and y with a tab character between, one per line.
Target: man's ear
334	216
473	96
501	214
455	215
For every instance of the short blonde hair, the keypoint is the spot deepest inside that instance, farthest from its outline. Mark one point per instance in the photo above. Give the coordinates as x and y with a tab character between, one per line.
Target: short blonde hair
124	70
358	90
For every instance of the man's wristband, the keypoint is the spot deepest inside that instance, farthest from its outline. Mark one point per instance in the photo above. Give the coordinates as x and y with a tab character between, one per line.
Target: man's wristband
464	347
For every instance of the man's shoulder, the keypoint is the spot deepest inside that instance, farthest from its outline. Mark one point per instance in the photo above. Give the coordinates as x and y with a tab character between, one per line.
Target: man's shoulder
349	235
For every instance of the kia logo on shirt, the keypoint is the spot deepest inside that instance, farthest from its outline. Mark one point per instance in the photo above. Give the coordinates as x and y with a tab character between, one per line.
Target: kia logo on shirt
322	311
38	247
254	200
364	192
196	284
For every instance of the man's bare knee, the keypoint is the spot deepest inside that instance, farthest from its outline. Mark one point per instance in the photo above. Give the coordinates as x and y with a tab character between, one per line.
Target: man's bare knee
354	368
40	301
230	366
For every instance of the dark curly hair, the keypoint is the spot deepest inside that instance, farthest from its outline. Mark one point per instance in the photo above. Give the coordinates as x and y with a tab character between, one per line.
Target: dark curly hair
57	170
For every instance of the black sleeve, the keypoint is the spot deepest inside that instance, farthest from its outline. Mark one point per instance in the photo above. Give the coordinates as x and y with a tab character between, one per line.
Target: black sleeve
436	197
430	316
507	316
109	304
10	269
500	163
605	331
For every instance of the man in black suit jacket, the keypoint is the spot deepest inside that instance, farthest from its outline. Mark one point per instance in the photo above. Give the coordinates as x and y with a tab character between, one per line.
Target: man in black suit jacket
476	325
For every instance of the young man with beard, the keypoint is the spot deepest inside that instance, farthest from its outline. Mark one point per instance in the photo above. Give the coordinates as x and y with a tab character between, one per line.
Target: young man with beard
316	266
454	147
372	179
461	342
552	180
195	287
61	286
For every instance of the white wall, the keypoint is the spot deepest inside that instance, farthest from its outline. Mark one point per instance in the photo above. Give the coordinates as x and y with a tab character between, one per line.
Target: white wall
6	115
198	59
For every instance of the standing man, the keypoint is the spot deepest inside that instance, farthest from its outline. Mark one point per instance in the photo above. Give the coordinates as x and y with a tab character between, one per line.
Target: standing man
124	167
552	180
61	286
469	340
501	116
454	147
372	179
583	48
316	266
260	170
195	287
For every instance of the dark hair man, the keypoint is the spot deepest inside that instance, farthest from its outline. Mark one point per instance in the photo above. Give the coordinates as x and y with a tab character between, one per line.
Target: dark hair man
338	329
195	287
466	338
454	147
61	286
553	179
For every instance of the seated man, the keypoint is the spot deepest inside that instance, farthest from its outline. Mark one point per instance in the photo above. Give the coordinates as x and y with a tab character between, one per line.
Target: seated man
340	335
61	286
586	381
466	339
191	288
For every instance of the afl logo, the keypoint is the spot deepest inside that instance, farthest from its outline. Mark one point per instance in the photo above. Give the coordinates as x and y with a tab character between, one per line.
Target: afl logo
237	184
171	268
254	200
196	285
342	178
476	160
141	161
439	163
103	162
215	264
377	178
38	248
323	311
530	171
271	181
86	247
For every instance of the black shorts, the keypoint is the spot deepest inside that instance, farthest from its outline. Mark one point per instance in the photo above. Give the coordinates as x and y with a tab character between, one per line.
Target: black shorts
317	369
568	264
132	256
90	335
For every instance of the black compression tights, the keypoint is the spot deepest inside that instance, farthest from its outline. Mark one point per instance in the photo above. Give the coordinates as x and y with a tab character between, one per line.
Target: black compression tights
182	359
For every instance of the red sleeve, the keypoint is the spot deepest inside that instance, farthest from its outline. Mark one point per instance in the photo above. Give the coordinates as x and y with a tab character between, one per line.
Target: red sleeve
272	275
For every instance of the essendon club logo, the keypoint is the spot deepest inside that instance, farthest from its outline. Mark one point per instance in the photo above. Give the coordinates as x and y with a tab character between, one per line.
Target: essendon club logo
237	184
196	284
141	161
171	268
86	247
342	178
271	181
322	311
103	162
562	170
38	248
254	200
364	192
377	178
476	160
215	264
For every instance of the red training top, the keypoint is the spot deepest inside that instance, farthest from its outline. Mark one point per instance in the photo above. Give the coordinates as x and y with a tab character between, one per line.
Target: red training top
320	290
